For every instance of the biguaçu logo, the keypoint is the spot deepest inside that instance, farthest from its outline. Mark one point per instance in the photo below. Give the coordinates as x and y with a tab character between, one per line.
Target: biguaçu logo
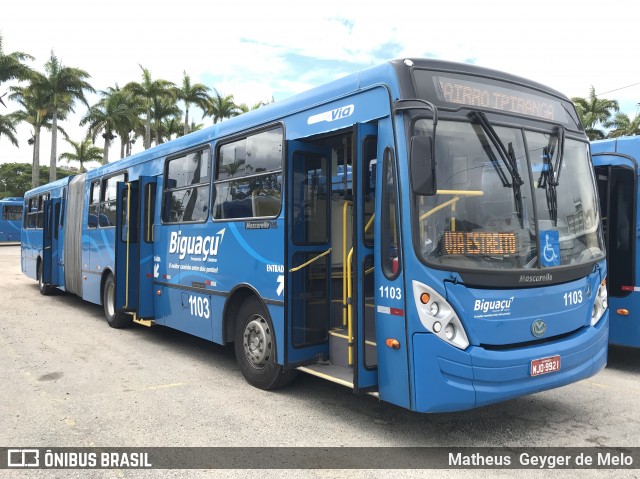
493	306
195	245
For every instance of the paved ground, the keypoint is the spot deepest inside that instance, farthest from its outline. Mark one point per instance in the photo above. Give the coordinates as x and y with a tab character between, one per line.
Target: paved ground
67	379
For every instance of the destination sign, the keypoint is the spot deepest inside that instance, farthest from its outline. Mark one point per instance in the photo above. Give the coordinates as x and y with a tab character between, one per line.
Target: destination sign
471	93
479	243
453	89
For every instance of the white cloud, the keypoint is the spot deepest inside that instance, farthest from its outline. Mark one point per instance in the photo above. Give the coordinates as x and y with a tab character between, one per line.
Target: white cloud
255	49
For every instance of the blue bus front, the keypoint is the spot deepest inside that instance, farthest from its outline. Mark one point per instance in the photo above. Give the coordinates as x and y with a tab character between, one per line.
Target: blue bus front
506	280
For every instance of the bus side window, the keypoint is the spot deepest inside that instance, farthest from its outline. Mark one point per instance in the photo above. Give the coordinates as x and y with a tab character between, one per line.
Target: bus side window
390	248
94	204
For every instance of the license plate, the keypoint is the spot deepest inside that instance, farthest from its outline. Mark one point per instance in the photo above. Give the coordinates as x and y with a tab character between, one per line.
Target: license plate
545	365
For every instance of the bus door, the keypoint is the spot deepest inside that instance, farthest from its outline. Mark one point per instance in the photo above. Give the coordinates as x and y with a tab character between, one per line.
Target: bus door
308	291
50	242
134	246
617	177
361	302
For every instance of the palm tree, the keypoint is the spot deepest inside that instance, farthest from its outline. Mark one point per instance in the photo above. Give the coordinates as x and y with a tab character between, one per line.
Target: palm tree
196	94
8	127
12	65
221	107
83	152
169	127
147	91
593	112
64	85
244	108
161	109
622	125
114	113
37	113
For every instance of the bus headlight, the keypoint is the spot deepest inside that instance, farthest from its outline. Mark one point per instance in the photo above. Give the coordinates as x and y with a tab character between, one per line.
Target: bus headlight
437	315
600	304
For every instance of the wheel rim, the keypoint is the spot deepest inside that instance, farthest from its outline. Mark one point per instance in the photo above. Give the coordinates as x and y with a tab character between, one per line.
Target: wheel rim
109	299
257	342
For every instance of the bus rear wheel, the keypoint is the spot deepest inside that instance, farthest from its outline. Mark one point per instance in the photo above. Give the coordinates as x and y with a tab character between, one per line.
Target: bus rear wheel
255	347
115	319
44	288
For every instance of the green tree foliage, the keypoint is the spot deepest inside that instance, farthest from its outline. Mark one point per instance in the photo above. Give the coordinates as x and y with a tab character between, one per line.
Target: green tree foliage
193	94
64	86
83	152
594	113
36	112
222	107
116	112
147	91
15	178
622	125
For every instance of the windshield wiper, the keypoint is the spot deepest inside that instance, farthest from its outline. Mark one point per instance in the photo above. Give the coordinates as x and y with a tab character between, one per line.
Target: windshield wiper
508	158
550	174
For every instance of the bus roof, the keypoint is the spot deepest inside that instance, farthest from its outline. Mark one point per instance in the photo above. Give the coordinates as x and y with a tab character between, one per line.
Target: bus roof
393	74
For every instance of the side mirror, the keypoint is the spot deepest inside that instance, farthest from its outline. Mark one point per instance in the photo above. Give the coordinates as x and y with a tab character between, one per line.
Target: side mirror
422	166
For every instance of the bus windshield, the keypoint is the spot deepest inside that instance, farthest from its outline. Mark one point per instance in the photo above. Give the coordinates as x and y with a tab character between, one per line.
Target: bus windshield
500	204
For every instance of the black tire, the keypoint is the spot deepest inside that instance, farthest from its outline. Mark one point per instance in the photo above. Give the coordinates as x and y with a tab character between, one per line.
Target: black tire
45	289
115	319
255	347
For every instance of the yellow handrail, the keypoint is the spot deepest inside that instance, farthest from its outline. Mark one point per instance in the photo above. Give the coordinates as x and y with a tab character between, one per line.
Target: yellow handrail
345	278
126	280
350	308
438	208
461	192
297	268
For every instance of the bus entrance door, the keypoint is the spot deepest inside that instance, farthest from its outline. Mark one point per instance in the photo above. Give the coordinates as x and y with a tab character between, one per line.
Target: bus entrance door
361	300
50	242
617	188
308	291
134	247
330	282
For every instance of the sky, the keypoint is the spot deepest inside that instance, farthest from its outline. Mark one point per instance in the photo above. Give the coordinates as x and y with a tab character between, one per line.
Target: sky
258	50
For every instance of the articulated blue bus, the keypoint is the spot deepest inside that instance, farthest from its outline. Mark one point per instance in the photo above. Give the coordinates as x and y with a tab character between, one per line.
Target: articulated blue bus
616	166
422	230
11	219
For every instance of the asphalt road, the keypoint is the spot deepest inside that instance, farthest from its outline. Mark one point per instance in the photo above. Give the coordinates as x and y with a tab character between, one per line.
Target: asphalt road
67	379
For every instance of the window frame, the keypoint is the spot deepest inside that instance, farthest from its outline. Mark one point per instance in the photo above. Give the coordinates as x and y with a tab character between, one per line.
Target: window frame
102	192
245	135
166	190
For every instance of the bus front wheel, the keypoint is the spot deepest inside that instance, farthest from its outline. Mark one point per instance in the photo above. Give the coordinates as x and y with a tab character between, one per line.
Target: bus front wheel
115	319
255	347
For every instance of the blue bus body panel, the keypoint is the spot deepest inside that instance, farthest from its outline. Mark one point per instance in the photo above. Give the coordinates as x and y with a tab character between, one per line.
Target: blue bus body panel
452	379
32	238
10	229
624	152
503	317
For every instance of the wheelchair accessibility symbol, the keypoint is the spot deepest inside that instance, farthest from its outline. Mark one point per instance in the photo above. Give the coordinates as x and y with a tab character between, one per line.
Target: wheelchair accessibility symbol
550	244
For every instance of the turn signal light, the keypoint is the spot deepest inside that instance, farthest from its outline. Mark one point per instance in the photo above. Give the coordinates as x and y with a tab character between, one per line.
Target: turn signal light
623	312
393	343
424	298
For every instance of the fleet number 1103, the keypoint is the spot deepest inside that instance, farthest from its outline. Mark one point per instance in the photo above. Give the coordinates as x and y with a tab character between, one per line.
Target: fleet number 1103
573	297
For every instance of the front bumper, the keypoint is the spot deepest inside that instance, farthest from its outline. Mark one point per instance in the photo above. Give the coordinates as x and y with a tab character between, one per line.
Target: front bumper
448	379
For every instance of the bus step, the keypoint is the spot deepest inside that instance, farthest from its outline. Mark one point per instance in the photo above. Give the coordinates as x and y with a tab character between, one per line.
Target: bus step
144	322
339	347
330	372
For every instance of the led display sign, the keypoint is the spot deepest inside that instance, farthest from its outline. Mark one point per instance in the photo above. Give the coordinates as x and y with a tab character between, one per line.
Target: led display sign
479	243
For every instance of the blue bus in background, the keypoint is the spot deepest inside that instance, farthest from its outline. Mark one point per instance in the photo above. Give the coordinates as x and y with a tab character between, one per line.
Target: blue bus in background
422	230
11	219
616	166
